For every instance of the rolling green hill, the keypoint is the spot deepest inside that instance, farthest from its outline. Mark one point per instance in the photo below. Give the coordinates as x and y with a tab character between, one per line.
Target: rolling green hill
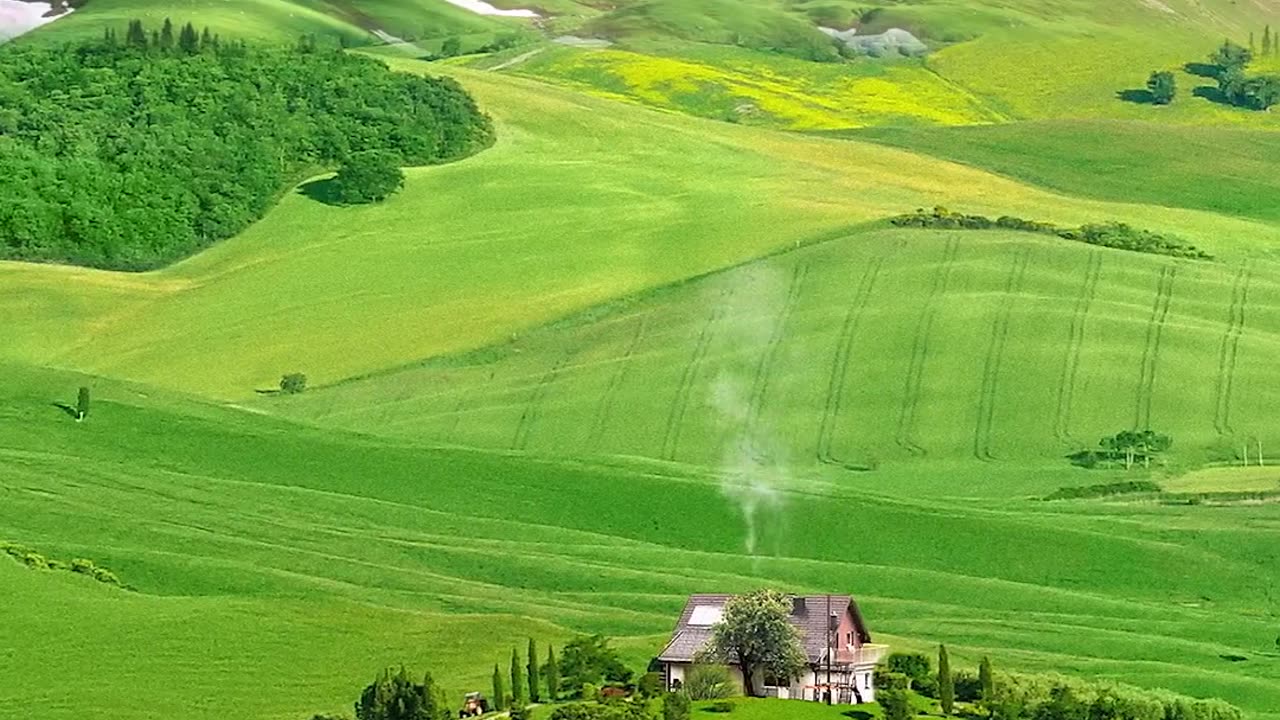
260	549
880	347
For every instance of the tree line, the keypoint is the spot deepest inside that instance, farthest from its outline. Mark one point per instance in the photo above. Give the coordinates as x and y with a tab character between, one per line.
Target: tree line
129	152
1117	235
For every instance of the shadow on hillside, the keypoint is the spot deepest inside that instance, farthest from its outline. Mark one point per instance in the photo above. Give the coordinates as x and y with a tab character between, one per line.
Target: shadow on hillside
1212	94
66	409
323	191
1138	96
857	714
1204	70
267	391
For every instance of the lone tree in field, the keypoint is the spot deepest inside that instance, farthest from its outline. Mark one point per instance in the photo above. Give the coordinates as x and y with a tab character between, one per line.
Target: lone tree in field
756	634
82	404
946	682
1231	57
1134	445
1163	87
451	47
293	383
535	683
368	177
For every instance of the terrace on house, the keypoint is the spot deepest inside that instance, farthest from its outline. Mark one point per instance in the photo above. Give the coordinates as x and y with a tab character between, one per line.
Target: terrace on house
841	657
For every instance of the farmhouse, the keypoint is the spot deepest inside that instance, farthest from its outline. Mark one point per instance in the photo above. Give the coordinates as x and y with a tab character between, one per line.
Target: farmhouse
835	638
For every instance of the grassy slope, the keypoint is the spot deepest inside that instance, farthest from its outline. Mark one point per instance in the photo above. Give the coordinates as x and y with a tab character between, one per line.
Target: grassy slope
1223	170
886	346
472	252
307	559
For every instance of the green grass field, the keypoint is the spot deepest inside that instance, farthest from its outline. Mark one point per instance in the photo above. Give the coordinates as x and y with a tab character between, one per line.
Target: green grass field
631	353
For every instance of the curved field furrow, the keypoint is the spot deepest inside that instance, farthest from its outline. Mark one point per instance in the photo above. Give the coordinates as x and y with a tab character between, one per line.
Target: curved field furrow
680	404
840	362
995	356
760	384
1075	341
920	352
1151	351
1230	349
605	409
534	407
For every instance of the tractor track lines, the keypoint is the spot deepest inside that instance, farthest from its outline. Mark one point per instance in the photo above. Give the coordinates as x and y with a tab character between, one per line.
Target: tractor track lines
840	362
1151	352
533	407
605	409
1075	342
995	356
1230	349
920	352
680	404
760	383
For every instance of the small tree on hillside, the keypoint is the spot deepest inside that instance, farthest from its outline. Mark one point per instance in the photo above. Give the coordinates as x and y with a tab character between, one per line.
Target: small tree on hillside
368	177
675	706
757	634
451	47
1162	86
499	691
895	703
535	683
946	682
82	404
166	35
189	40
552	673
293	383
1231	56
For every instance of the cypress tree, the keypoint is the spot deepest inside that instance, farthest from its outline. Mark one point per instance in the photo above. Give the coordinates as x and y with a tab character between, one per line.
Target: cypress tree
517	680
136	36
535	684
553	674
499	692
188	41
166	34
985	679
946	682
82	404
1266	41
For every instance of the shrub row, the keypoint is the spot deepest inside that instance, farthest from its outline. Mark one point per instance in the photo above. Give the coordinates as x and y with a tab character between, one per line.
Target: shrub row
1081	492
80	566
1021	697
1109	234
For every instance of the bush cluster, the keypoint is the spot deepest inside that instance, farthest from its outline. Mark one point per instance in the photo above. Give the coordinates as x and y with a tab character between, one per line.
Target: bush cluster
1022	697
80	566
129	154
620	710
1110	234
1082	492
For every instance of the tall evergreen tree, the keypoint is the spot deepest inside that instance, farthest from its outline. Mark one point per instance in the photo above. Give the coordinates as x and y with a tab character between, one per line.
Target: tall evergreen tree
946	682
553	674
1266	41
499	691
136	35
206	39
986	680
166	35
188	40
517	680
82	404
535	683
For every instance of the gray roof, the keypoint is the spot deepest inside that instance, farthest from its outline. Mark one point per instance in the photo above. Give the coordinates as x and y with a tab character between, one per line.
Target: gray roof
808	615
